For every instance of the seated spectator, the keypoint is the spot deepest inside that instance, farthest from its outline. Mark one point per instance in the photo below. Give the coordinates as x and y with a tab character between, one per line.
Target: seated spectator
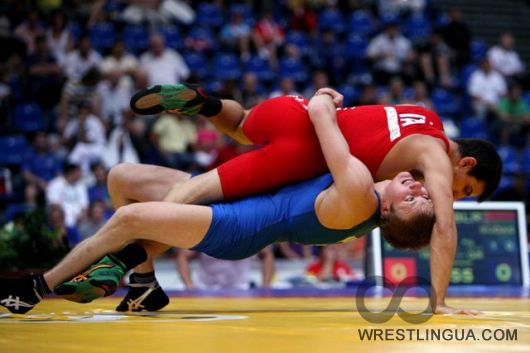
94	221
81	60
163	65
173	135
287	88
75	93
391	54
434	59
158	12
268	37
29	30
45	75
420	95
400	7
486	87
66	235
120	61
114	98
223	274
330	56
40	166
514	118
319	80
205	150
396	93
59	38
302	17
505	59
235	35
120	147
458	37
86	135
70	193
98	191
251	91
368	95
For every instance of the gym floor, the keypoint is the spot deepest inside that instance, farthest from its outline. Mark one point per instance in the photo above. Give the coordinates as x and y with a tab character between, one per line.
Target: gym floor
271	323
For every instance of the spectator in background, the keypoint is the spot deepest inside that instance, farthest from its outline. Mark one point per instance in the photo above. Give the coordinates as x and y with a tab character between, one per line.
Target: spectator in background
368	95
86	135
458	37
40	166
420	95
173	135
205	149
45	76
67	235
396	93
70	193
29	30
251	91
79	92
235	35
158	12
302	17
120	61
98	191
94	221
514	118
163	65
114	98
400	7
331	264
486	87
120	147
330	56
59	39
268	37
223	274
505	59
391	54
320	79
434	59
81	60
287	87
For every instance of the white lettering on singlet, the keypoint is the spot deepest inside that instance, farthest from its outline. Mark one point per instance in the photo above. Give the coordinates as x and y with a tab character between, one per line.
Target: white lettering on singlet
393	123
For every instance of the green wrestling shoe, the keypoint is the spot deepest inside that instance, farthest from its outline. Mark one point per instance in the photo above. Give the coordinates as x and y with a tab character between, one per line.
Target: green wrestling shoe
186	99
100	280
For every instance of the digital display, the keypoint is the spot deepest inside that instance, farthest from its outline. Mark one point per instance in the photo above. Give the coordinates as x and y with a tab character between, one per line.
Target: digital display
489	251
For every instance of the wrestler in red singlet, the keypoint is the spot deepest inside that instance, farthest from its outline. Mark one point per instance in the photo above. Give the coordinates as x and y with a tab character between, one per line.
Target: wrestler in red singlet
291	150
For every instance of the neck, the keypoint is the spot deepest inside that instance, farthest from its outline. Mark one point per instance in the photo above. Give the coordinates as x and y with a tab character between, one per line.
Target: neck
454	151
380	188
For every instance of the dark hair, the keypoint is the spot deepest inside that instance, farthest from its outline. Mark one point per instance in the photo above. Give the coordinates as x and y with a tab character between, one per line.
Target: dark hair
489	164
70	167
412	233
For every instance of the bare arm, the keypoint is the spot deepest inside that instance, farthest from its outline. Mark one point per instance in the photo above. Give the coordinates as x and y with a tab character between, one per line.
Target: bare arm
438	173
353	181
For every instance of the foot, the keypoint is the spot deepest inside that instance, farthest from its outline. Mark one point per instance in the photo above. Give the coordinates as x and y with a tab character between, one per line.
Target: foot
100	280
143	297
186	99
19	295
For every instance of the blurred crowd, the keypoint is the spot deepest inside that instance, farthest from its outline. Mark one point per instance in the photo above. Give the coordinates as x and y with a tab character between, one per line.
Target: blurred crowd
69	67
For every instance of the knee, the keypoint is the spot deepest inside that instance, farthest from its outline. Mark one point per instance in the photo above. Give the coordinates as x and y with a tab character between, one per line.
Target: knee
127	217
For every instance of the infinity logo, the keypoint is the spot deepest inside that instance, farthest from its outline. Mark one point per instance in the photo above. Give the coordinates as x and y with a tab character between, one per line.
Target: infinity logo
398	292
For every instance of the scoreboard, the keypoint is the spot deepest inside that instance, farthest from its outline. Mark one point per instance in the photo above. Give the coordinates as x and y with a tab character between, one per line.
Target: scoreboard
492	248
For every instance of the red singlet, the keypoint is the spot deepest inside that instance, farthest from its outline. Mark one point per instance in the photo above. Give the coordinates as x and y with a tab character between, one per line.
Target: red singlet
291	150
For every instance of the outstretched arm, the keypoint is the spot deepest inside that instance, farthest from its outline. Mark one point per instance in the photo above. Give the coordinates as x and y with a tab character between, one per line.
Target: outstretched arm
438	173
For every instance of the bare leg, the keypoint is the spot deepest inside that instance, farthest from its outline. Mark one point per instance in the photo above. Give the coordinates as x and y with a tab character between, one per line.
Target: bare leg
182	226
230	121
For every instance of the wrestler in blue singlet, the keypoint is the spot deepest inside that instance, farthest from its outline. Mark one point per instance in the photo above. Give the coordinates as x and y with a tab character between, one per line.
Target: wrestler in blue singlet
242	228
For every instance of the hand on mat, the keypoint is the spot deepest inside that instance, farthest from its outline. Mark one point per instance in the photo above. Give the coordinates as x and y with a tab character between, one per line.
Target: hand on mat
445	309
336	96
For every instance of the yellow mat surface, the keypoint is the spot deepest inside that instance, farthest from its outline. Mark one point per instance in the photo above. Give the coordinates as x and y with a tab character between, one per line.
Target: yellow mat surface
267	325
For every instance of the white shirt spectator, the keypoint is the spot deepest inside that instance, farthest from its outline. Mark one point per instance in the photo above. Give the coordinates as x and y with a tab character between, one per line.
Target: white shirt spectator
114	100
119	149
167	68
59	46
391	53
95	131
73	198
75	65
487	86
505	61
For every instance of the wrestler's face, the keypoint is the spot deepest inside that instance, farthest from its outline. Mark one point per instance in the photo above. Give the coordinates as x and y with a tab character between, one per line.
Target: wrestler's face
407	196
465	185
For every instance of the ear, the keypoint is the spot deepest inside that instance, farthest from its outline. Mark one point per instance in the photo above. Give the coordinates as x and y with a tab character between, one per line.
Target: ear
385	209
467	162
